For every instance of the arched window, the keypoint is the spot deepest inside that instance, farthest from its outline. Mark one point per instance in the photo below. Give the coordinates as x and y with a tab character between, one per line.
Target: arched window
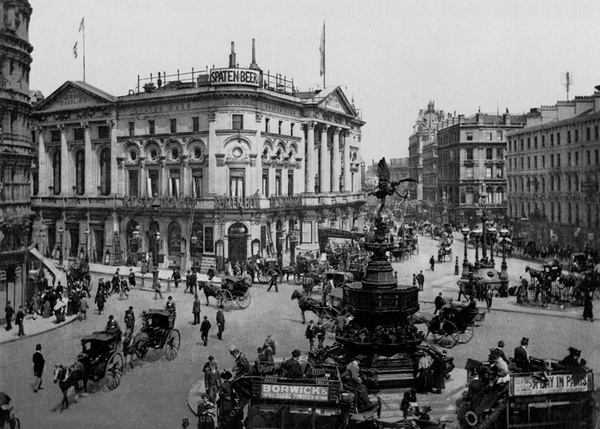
56	172
197	244
80	172
105	172
174	233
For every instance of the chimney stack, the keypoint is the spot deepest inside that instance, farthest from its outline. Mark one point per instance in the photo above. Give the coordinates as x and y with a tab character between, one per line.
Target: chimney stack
254	65
232	56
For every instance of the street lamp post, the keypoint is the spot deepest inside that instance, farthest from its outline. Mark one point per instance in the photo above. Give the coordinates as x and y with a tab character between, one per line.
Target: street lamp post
503	267
475	235
156	248
60	242
465	232
87	236
493	238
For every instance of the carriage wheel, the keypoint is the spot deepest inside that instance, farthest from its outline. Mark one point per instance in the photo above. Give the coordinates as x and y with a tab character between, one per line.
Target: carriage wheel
298	278
263	277
114	371
445	335
471	418
141	350
244	300
172	344
464	336
225	300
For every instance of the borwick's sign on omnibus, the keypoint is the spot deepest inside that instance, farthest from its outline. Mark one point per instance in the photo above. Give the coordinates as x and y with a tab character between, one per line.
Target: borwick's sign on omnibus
295	392
554	383
234	77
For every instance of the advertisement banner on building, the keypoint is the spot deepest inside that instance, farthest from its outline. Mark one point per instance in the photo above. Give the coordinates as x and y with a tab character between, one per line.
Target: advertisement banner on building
234	77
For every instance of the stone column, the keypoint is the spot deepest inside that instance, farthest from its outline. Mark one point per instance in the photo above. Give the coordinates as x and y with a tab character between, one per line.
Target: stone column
347	176
212	149
65	165
325	173
310	158
186	183
43	164
114	152
90	165
143	176
163	189
336	162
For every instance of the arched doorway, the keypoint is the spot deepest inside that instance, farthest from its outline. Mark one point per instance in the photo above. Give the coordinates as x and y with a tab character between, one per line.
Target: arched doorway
238	235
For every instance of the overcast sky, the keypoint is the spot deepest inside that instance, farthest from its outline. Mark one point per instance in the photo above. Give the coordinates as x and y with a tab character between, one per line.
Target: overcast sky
392	56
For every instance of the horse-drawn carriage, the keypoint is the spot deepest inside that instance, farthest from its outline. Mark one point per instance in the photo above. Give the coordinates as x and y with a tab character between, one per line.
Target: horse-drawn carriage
454	325
581	263
101	357
157	331
328	315
444	251
233	290
267	269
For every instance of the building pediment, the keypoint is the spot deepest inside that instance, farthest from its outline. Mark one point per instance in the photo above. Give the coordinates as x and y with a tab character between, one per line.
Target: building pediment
74	95
336	101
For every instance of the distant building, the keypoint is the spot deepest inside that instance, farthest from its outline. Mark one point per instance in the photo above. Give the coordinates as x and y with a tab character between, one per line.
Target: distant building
471	166
554	172
15	152
196	167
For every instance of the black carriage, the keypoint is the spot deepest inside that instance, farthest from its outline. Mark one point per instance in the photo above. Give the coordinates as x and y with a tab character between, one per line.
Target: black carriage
269	268
444	251
101	357
454	325
157	331
581	263
235	289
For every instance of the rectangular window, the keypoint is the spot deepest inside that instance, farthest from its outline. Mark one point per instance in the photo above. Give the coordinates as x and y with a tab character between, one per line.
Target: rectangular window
551	160
543	161
195	124
535	140
209	241
292	129
173	126
499	135
568	137
543	141
577	158
151	128
469	137
551	140
132	128
489	153
576	136
265	183
499	172
588	133
78	134
133	183
569	159
103	132
469	172
278	188
558	159
470	154
237	122
522	145
522	165
488	172
489	137
528	142
152	184
499	153
174	183
535	162
528	162
266	125
237	183
55	136
290	181
197	183
557	139
280	126
596	133
596	157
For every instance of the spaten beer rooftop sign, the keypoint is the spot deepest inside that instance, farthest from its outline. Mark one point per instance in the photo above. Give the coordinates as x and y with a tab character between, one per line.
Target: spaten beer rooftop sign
234	77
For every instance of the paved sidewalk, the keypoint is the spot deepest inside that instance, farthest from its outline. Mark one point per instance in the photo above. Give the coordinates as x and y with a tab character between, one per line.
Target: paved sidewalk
33	327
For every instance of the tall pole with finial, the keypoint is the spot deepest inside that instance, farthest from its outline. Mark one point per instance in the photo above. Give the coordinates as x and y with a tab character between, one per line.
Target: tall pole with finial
322	51
82	30
567	81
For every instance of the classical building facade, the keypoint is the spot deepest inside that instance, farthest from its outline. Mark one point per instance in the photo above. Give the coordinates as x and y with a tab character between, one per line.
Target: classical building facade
15	151
554	171
471	165
227	163
424	131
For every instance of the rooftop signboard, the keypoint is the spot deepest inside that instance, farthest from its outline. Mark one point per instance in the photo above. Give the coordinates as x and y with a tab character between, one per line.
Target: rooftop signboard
234	77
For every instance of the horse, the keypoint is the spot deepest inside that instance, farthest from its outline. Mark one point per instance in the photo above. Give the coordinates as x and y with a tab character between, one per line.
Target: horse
306	303
74	376
209	290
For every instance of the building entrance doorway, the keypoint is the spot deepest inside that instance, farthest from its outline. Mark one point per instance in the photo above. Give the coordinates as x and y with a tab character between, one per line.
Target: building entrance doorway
238	237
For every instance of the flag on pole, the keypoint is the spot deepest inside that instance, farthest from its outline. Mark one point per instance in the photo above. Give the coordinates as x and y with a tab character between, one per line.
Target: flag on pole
81	26
322	50
75	50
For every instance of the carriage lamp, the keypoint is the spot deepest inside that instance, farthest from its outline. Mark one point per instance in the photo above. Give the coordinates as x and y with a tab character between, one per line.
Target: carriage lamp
465	232
87	237
503	267
60	250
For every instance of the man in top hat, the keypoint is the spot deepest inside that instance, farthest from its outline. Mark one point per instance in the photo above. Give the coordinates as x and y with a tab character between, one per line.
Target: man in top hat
573	359
38	367
292	365
522	355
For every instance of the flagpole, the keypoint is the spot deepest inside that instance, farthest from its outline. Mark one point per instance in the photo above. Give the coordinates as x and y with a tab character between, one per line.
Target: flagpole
84	53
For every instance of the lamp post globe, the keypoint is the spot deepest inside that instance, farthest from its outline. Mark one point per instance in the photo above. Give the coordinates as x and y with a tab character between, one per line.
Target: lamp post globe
476	235
504	266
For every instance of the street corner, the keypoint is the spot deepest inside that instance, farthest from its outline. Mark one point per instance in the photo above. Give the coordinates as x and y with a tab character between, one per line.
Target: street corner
35	328
195	394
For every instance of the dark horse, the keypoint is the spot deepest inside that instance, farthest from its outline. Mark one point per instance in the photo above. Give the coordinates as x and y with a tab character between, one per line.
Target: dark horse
74	376
306	303
211	290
